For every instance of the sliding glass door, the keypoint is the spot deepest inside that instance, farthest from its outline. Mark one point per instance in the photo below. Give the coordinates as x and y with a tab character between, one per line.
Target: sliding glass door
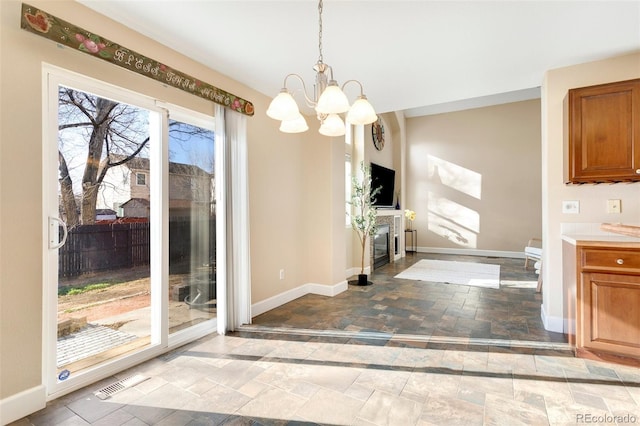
130	214
192	221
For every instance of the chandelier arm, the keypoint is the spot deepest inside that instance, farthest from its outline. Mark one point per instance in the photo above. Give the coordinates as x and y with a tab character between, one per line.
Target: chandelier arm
356	81
330	72
309	101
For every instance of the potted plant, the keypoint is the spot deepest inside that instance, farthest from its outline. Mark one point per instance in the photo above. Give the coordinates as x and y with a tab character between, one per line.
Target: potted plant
363	217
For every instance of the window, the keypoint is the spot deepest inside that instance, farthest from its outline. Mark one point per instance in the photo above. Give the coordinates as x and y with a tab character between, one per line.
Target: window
141	179
348	148
347	188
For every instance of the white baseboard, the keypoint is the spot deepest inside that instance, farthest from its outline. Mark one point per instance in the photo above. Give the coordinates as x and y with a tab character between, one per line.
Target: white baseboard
352	272
555	324
22	404
472	252
328	290
294	293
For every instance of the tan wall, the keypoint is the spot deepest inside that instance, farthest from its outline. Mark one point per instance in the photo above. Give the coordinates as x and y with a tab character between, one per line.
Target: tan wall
386	156
473	177
389	157
284	169
592	198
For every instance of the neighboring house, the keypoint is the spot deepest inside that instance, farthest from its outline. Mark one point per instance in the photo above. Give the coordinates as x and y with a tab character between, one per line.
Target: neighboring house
125	189
101	213
105	214
135	207
190	188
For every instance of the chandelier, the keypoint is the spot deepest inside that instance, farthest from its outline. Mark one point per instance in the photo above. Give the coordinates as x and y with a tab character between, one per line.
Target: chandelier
329	101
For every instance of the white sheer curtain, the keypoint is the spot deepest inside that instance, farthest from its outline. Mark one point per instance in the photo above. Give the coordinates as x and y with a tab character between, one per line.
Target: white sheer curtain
232	191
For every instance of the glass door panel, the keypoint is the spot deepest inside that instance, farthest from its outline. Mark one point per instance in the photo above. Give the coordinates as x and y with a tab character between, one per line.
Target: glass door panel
104	193
192	226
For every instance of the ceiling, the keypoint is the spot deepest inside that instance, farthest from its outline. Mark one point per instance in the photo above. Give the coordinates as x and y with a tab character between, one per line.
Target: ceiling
421	57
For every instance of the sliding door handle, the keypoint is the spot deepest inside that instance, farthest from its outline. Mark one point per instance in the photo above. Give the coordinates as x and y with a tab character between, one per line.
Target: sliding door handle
54	234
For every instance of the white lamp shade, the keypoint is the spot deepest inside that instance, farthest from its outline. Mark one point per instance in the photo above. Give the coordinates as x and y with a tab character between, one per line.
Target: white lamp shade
283	107
361	112
297	125
332	126
332	100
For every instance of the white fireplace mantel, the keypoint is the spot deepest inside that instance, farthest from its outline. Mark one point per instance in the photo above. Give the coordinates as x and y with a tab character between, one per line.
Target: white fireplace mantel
393	218
388	212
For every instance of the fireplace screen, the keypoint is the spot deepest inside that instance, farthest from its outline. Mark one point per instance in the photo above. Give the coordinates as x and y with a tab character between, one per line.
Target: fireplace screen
381	255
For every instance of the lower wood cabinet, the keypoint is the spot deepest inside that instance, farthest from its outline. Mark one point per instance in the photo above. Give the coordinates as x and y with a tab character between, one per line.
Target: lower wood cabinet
609	313
605	310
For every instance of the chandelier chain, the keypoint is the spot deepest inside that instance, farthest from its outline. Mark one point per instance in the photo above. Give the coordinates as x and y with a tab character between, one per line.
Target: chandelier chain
320	31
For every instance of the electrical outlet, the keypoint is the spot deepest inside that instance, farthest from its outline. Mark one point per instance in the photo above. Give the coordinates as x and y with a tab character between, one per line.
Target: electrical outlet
614	206
571	207
282	274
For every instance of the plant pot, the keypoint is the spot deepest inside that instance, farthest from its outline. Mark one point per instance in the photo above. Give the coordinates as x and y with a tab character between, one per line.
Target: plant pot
362	279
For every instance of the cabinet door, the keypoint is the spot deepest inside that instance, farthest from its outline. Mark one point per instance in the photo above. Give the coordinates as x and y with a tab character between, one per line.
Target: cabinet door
603	121
611	313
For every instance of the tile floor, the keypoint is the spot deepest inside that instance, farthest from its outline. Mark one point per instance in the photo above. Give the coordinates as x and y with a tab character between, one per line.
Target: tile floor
234	380
437	370
427	309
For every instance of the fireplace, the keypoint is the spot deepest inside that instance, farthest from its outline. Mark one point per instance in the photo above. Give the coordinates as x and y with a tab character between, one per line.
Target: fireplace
384	247
381	255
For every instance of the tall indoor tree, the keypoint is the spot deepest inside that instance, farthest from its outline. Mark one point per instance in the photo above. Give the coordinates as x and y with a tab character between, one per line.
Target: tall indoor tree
363	217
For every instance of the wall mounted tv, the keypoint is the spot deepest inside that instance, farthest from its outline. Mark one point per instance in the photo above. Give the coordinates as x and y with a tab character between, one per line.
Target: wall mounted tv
384	178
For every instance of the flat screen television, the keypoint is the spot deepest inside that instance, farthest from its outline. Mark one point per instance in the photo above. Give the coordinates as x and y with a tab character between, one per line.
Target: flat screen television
385	179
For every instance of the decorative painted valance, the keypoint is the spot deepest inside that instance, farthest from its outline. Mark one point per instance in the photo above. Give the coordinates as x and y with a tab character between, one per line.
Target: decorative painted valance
43	24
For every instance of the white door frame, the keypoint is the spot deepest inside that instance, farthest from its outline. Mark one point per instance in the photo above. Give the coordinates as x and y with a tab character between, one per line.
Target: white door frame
161	342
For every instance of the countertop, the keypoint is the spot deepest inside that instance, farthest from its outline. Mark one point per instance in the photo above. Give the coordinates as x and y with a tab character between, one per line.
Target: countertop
602	240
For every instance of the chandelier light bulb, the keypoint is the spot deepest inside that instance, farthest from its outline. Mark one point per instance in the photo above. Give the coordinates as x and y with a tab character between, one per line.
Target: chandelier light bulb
361	112
297	125
332	100
283	107
332	126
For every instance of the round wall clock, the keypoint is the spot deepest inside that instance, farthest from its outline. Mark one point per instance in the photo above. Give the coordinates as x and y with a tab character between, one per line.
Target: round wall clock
377	134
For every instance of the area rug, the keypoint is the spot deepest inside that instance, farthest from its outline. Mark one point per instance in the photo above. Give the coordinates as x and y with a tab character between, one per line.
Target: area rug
450	272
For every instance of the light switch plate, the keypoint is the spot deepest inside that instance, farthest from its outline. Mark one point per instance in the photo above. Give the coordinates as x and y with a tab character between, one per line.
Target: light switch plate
614	206
571	207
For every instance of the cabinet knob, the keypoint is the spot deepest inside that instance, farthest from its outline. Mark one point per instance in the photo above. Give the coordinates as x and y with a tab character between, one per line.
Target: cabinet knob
638	171
620	261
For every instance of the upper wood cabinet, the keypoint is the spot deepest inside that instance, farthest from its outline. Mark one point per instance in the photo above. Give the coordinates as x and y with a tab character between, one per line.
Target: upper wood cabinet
604	133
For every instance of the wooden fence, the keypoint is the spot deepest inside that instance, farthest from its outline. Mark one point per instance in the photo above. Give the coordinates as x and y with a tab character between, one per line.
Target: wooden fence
104	247
91	248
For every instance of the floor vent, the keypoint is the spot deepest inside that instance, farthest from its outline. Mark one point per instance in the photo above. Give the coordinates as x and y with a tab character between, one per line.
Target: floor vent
120	385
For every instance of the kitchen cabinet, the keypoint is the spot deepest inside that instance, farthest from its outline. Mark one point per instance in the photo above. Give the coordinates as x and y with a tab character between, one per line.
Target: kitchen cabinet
604	133
604	304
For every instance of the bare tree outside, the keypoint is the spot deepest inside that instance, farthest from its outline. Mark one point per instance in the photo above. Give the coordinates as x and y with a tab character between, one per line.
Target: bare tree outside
96	134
